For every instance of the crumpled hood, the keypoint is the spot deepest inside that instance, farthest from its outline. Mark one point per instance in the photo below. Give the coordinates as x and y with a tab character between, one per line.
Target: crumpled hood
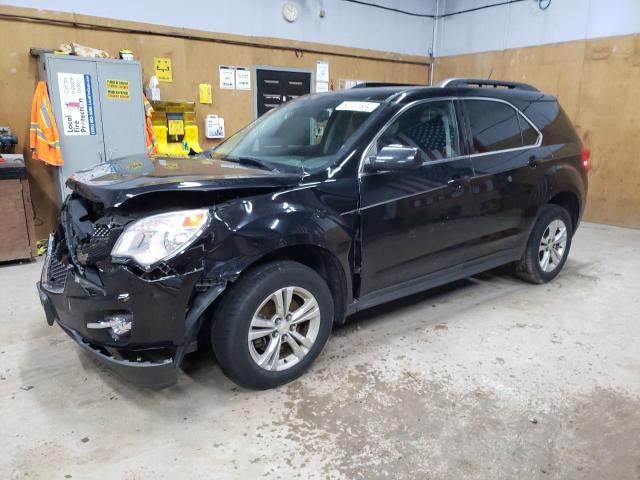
113	183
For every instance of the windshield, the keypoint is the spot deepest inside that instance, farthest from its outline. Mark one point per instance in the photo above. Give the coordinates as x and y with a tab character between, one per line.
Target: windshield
307	133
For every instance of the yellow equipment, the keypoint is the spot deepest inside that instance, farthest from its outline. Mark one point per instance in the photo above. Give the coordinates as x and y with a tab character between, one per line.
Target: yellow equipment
174	125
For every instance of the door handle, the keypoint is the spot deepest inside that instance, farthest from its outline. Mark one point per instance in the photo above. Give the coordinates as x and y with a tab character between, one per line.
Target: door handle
455	181
533	161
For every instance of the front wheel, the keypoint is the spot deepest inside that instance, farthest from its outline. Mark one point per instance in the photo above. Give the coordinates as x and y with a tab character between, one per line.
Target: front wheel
272	324
548	246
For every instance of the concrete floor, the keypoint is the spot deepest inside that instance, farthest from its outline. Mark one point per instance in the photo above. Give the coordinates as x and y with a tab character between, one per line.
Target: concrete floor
486	378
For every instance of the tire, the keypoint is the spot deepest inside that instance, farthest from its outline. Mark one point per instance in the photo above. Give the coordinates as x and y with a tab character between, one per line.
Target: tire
243	310
531	266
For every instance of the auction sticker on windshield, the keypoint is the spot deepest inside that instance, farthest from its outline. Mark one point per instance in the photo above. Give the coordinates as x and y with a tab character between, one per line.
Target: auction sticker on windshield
358	106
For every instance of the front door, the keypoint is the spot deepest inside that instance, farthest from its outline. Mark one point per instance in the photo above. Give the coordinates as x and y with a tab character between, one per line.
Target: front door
275	87
415	222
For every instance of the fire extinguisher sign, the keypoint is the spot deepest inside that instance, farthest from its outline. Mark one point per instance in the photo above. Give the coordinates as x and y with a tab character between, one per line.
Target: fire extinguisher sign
76	104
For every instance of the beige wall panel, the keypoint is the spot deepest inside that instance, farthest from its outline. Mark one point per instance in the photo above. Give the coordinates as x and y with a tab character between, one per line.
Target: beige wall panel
598	84
194	61
608	117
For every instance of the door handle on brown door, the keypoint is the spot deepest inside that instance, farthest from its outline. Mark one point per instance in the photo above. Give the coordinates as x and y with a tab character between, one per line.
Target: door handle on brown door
533	161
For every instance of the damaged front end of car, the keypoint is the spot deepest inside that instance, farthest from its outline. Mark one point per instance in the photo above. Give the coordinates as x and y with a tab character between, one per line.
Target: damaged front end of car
140	256
137	316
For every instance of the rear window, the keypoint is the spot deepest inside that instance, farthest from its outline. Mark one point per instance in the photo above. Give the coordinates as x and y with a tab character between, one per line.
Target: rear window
494	126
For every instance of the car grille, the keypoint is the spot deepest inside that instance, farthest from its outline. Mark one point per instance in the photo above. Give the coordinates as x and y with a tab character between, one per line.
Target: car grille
98	245
54	275
101	231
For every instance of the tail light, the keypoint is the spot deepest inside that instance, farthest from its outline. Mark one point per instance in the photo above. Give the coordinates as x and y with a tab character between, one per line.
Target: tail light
586	155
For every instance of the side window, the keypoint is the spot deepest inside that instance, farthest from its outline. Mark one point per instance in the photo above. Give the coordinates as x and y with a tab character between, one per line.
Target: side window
494	126
431	127
529	134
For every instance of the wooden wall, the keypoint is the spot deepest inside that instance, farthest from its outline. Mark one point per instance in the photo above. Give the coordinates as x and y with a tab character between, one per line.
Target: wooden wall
194	61
598	84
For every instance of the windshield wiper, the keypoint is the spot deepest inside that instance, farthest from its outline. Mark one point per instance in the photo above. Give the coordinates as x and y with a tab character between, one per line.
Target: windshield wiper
256	162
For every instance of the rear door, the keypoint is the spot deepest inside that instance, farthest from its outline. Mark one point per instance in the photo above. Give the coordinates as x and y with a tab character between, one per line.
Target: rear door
508	184
275	87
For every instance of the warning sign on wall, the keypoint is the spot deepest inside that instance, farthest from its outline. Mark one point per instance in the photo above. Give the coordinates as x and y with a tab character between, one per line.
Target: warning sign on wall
176	127
118	89
76	104
163	69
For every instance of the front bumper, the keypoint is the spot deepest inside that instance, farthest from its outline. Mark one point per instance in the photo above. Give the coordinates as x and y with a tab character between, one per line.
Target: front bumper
156	374
166	315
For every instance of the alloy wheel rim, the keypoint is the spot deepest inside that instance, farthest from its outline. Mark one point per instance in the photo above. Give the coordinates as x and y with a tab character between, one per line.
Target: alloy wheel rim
552	246
284	328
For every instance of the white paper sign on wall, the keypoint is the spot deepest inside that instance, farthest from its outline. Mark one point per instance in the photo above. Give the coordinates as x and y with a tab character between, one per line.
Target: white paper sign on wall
243	78
322	71
322	87
76	104
227	77
214	126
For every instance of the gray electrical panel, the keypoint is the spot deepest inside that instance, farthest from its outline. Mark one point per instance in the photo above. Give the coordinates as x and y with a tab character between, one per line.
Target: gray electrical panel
98	107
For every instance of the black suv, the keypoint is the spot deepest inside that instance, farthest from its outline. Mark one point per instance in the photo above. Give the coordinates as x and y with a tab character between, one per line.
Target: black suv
328	205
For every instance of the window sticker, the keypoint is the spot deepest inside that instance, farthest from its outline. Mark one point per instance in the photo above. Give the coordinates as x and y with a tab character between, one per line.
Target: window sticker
134	166
358	106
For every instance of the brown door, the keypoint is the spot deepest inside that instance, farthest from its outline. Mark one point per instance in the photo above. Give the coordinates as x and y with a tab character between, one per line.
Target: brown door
275	87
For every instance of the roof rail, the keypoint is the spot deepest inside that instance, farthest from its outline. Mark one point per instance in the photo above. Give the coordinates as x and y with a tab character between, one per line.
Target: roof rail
384	84
478	82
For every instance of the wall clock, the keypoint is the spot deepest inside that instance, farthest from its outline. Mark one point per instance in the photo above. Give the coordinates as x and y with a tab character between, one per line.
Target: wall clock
290	11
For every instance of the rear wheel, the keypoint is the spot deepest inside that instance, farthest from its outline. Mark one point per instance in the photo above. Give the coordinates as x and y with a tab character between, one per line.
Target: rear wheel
548	246
272	324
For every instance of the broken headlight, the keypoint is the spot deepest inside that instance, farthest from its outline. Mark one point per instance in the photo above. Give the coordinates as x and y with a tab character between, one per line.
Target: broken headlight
160	237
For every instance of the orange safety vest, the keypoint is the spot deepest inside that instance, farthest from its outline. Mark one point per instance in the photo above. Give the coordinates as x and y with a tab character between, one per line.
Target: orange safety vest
150	136
44	139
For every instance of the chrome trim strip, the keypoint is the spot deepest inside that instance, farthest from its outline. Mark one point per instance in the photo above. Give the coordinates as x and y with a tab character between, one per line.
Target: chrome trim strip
429	163
397	199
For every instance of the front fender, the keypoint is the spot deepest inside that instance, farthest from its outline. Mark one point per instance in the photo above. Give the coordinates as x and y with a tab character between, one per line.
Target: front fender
247	230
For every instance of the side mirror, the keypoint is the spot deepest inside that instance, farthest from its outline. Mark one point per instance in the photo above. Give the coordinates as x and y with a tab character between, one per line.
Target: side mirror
395	157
